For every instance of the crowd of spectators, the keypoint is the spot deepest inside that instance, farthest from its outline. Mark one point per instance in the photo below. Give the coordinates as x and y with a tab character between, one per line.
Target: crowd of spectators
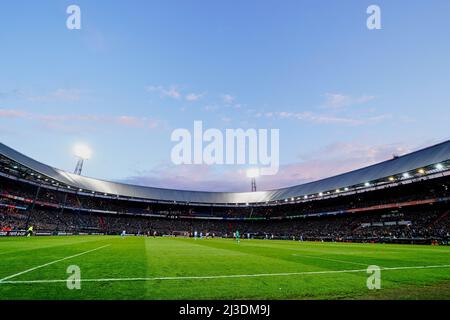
424	224
68	212
408	192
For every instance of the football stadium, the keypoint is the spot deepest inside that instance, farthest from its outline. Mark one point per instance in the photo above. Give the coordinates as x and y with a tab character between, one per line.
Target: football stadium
319	240
224	158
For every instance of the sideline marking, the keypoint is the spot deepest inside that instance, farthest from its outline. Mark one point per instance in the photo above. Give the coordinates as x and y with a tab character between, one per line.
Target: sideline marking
223	276
50	263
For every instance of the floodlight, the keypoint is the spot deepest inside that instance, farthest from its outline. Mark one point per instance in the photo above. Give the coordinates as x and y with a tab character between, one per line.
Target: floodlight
439	166
82	151
253	173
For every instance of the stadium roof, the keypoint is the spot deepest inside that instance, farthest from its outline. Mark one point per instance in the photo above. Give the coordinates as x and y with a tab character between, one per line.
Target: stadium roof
419	159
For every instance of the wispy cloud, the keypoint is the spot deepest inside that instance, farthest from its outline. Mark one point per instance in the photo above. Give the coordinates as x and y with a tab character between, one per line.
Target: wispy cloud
228	98
60	121
335	112
194	96
136	122
191	177
324	118
211	107
332	159
174	92
58	95
225	119
12	113
170	92
337	158
339	100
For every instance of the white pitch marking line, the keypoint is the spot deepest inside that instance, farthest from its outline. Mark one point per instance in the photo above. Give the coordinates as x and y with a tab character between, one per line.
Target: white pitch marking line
223	276
50	263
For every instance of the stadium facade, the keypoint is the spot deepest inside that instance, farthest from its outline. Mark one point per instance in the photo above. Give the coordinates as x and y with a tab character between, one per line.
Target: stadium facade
428	163
403	200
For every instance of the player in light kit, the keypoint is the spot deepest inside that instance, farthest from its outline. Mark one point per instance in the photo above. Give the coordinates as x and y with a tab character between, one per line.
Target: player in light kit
123	234
30	231
195	235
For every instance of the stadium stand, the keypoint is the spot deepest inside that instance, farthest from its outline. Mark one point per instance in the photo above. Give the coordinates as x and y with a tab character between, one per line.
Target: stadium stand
402	200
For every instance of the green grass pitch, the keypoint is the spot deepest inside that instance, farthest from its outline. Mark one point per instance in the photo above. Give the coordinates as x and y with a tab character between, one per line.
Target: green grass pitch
177	268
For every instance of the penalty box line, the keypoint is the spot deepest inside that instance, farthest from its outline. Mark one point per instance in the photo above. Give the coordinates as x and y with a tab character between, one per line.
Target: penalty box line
223	276
50	263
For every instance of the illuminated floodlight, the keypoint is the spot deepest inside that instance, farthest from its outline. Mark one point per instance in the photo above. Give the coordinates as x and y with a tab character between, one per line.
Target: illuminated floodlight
439	166
286	200
82	151
346	189
421	171
337	190
253	173
367	184
406	175
391	178
305	197
320	194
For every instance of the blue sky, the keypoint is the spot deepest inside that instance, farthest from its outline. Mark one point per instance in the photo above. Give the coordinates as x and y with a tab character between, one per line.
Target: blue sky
342	96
